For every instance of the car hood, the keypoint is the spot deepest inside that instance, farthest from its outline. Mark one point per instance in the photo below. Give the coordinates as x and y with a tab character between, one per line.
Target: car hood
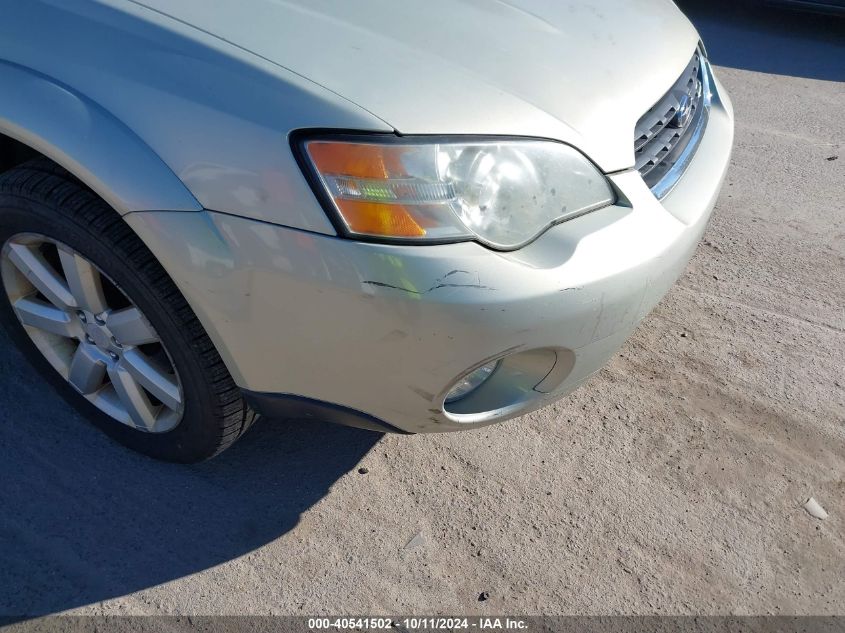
582	72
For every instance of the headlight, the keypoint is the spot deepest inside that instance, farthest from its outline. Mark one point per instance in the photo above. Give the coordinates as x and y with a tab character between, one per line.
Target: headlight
502	192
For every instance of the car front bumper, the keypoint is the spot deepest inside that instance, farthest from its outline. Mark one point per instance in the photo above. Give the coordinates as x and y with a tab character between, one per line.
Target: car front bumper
375	335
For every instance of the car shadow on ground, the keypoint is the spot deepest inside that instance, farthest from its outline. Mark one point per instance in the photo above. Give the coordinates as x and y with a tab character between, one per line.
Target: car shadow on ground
752	35
83	520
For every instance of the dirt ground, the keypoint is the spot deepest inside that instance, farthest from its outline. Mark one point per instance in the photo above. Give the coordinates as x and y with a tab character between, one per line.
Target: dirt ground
672	482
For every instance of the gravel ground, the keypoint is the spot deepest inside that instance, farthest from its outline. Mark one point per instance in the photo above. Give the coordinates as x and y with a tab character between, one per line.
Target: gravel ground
673	482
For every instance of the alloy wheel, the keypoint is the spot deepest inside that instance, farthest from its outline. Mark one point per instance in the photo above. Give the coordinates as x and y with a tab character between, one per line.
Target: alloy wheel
98	340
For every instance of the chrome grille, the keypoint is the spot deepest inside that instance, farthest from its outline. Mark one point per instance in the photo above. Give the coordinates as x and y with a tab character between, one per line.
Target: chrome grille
667	135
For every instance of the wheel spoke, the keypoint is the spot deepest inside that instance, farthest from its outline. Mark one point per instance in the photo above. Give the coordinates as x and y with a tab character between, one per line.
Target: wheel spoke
132	395
40	274
83	281
44	316
86	371
153	378
130	327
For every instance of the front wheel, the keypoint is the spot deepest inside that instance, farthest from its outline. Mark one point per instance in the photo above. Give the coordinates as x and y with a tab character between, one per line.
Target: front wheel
93	310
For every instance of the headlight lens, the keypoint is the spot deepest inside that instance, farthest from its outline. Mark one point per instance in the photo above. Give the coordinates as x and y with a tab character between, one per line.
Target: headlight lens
503	193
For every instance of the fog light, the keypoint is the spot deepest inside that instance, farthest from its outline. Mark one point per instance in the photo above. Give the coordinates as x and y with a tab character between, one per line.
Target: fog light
471	382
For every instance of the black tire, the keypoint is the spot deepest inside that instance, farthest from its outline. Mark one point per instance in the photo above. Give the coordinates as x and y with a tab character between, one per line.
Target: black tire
40	197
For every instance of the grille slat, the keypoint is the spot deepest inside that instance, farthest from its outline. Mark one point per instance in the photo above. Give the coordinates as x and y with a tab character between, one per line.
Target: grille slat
663	134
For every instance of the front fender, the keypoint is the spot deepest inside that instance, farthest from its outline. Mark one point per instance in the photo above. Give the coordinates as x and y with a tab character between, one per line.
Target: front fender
89	142
218	116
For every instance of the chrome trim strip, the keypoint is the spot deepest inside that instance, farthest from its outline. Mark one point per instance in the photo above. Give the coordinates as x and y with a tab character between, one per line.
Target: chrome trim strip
665	185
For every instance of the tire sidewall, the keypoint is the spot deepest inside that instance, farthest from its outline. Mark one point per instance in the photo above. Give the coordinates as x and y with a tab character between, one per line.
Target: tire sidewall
197	435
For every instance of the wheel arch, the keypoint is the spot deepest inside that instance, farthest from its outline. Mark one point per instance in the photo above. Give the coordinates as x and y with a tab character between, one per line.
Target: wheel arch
53	120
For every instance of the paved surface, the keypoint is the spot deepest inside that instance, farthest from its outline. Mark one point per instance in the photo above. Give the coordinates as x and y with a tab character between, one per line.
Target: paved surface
673	482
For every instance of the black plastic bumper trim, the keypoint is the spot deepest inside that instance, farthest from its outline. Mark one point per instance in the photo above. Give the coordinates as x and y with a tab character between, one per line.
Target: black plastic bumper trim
289	406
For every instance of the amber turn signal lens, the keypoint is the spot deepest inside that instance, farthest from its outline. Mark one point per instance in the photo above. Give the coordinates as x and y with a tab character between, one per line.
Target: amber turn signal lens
375	193
376	218
361	161
368	214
